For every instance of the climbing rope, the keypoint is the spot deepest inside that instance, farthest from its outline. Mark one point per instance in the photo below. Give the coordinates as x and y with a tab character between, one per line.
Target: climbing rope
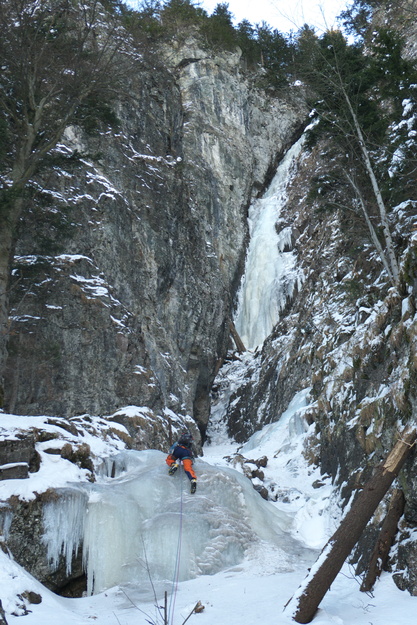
177	561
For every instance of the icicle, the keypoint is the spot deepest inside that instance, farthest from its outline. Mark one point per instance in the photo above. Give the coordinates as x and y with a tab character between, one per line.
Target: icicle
63	522
129	524
6	517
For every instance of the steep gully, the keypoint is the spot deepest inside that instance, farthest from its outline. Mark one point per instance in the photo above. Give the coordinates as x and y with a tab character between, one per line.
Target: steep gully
127	523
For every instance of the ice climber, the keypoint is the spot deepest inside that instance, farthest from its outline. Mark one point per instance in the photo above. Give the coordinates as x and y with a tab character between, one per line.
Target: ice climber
181	451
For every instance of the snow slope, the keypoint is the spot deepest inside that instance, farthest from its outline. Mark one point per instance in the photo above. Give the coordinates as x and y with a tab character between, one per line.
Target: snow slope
277	542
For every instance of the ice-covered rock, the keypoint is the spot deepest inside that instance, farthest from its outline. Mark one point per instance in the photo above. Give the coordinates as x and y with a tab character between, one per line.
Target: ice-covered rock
271	273
144	526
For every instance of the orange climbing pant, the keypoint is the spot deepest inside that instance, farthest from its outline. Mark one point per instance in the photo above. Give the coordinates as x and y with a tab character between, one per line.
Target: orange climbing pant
187	464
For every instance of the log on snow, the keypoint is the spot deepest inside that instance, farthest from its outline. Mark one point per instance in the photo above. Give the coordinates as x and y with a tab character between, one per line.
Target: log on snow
303	605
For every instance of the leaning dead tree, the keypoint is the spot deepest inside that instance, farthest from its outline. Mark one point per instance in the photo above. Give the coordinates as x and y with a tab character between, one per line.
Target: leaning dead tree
385	540
303	605
238	341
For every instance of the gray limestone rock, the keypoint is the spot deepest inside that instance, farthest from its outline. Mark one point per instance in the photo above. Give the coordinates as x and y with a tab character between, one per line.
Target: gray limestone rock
17	457
127	265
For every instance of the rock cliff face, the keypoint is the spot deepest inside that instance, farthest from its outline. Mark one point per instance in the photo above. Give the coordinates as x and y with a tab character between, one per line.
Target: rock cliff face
348	338
128	261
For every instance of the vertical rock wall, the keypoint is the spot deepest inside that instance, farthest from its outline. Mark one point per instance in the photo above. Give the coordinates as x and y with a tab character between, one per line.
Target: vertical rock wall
350	339
128	261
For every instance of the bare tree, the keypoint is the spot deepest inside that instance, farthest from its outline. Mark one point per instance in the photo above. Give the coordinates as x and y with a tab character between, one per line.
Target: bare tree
388	256
390	267
355	104
303	605
58	58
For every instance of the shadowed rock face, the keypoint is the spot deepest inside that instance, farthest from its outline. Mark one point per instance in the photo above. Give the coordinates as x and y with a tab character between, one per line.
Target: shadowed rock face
17	457
351	341
127	264
24	540
126	270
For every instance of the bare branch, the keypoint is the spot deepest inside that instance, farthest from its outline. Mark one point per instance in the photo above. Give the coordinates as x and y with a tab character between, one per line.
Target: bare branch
374	236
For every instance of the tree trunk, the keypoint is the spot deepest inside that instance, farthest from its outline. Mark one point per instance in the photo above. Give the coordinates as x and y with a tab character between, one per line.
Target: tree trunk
385	540
7	242
6	245
238	341
2	615
377	193
373	234
304	603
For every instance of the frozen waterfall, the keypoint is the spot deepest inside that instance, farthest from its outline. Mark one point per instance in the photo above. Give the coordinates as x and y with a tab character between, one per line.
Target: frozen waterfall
141	526
270	272
129	525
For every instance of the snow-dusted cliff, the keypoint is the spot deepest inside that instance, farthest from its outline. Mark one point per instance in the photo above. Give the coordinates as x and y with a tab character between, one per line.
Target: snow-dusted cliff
349	339
127	265
128	271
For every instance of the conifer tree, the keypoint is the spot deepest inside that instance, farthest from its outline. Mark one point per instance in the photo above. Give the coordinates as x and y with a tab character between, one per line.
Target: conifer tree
177	14
219	27
275	54
357	17
357	98
246	40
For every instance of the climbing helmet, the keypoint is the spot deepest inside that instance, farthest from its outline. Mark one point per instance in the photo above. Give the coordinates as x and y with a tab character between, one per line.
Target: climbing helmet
185	438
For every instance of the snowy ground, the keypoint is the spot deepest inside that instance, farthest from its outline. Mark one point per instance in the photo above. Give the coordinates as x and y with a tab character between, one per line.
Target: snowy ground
256	587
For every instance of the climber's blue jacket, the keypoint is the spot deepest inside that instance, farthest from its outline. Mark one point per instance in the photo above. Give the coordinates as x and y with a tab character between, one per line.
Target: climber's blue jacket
180	452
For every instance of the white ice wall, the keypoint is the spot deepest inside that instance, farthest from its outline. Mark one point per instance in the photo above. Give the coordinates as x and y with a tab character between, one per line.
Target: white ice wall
270	273
131	523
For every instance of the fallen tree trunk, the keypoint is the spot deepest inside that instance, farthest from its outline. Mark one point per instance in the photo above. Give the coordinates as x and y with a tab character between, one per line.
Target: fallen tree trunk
385	540
303	605
238	341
